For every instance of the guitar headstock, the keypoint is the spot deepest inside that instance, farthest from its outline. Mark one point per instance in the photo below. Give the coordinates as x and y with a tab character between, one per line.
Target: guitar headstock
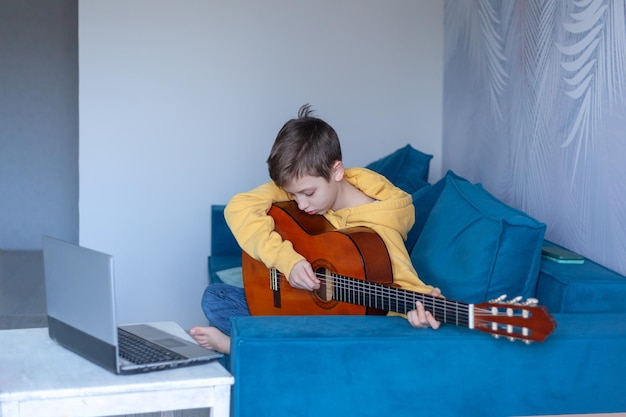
514	319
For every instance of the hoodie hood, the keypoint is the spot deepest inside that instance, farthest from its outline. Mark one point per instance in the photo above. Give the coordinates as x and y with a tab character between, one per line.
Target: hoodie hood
394	205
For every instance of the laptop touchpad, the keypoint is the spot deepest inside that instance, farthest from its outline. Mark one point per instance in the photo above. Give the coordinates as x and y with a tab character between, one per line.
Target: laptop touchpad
170	343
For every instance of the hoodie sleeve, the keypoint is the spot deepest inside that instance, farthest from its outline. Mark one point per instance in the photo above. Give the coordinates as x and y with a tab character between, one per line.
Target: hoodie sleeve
246	216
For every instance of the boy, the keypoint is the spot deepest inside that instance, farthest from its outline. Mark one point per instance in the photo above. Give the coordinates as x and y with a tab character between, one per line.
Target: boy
305	165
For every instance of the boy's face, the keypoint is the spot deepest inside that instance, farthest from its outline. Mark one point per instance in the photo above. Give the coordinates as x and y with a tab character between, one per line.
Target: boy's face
315	195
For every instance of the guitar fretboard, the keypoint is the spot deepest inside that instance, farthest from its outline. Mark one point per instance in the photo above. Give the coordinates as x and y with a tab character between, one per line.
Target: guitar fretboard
388	298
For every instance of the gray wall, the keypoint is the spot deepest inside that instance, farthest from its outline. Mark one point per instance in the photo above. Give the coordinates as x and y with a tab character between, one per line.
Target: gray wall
38	121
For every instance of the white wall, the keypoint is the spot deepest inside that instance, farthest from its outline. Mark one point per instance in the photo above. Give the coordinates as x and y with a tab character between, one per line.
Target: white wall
180	103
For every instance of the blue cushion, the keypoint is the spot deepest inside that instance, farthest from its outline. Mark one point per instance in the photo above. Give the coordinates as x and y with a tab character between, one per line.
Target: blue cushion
407	168
424	200
476	248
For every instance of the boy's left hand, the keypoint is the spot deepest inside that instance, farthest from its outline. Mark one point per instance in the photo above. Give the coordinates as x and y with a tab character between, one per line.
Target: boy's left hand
420	317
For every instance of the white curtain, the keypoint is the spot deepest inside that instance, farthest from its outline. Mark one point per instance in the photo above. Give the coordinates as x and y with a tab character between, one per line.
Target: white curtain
535	109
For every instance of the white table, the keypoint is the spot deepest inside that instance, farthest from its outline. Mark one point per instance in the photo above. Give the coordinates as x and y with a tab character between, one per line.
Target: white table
40	378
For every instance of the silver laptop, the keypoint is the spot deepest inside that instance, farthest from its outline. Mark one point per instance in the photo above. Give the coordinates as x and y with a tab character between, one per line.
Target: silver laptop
80	296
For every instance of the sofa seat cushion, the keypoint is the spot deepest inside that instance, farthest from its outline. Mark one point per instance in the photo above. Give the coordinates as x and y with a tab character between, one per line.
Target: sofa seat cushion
476	248
220	265
407	168
231	276
378	366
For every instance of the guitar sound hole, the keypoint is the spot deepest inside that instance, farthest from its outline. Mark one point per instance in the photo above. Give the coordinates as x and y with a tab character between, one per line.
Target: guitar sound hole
323	296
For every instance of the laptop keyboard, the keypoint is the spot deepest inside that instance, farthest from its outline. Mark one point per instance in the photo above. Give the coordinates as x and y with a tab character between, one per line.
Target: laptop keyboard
140	351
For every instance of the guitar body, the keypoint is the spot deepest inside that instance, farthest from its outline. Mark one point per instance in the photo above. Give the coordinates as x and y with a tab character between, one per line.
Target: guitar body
355	252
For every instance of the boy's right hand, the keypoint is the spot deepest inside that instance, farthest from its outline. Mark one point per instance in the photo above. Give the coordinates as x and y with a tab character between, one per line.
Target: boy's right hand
303	277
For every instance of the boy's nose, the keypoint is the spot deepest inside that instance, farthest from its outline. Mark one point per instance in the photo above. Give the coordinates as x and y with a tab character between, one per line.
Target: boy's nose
302	204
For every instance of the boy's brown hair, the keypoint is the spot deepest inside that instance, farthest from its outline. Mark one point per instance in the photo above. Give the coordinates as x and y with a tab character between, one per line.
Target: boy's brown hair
304	146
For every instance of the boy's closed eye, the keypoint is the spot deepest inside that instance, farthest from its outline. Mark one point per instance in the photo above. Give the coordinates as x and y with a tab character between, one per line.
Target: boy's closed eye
295	195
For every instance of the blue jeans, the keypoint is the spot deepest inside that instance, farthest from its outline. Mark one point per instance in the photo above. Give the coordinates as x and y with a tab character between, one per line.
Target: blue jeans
220	302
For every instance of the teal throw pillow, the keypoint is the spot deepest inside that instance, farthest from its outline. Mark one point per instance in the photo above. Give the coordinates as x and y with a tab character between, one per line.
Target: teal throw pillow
407	168
476	248
424	200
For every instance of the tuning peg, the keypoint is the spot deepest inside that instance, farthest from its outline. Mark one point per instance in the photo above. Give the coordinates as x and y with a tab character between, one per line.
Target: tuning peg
531	302
499	299
515	300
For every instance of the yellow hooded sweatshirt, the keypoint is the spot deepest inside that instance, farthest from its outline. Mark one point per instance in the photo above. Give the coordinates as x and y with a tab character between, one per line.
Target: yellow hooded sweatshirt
391	216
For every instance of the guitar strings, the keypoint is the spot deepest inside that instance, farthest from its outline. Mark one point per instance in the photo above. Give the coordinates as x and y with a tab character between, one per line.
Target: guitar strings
401	300
358	288
372	294
438	306
385	297
351	289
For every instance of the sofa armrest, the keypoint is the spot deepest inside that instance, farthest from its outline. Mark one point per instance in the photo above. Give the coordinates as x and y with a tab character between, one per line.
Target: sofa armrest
223	242
580	288
225	251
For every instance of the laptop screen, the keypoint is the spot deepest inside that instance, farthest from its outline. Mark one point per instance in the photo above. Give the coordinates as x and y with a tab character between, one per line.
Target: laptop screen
80	289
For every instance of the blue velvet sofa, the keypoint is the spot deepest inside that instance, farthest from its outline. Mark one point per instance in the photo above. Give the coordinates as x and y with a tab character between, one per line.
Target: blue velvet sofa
474	248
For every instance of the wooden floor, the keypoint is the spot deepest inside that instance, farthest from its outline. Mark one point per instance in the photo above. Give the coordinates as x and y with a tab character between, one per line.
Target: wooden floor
23	301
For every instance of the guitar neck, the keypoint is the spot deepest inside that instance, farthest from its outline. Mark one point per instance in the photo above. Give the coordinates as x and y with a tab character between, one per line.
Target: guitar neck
388	298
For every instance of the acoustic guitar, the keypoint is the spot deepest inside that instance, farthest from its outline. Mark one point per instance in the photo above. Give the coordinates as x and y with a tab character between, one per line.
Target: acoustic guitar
354	268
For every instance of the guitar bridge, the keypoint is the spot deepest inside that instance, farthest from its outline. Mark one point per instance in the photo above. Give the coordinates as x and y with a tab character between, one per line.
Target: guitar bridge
275	286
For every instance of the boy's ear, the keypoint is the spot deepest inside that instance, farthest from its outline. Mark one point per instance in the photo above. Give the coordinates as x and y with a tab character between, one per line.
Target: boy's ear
338	171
